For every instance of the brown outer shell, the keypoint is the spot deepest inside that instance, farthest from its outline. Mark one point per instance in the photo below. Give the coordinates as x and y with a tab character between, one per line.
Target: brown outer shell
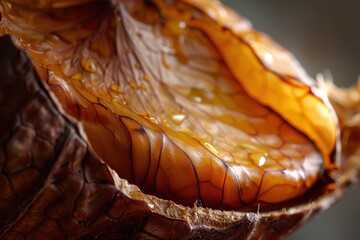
67	193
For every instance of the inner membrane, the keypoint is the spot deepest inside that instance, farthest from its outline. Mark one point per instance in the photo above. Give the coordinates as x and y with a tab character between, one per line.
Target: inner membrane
159	105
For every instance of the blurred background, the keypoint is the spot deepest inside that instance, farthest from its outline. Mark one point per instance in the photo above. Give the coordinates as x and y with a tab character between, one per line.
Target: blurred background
323	35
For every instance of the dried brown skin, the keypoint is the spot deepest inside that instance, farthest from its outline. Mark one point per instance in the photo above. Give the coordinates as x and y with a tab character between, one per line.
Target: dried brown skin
237	225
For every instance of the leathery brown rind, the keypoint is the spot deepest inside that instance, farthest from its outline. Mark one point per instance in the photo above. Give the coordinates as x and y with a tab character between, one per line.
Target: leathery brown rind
69	194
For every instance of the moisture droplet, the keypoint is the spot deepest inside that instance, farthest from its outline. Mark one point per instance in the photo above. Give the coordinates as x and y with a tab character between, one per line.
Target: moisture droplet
153	120
164	120
133	85
116	88
88	65
262	161
201	96
123	101
149	117
258	158
76	76
176	27
178	118
212	149
147	77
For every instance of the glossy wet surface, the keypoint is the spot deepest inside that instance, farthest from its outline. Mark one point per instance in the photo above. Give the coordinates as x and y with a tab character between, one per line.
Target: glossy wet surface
178	108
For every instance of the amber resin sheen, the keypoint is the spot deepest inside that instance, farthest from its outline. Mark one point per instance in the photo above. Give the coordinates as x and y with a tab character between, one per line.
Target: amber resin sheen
180	102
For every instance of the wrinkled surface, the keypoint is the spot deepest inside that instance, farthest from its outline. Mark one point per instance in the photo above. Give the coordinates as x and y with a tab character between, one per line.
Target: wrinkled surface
161	98
70	194
65	192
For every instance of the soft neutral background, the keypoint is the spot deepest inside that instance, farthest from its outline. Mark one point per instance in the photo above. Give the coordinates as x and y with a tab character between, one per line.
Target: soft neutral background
322	34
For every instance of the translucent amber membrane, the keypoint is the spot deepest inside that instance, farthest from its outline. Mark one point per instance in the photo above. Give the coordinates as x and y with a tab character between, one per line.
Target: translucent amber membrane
177	104
306	108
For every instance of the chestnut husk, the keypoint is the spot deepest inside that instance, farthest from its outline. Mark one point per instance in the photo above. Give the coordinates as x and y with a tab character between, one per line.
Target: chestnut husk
53	186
